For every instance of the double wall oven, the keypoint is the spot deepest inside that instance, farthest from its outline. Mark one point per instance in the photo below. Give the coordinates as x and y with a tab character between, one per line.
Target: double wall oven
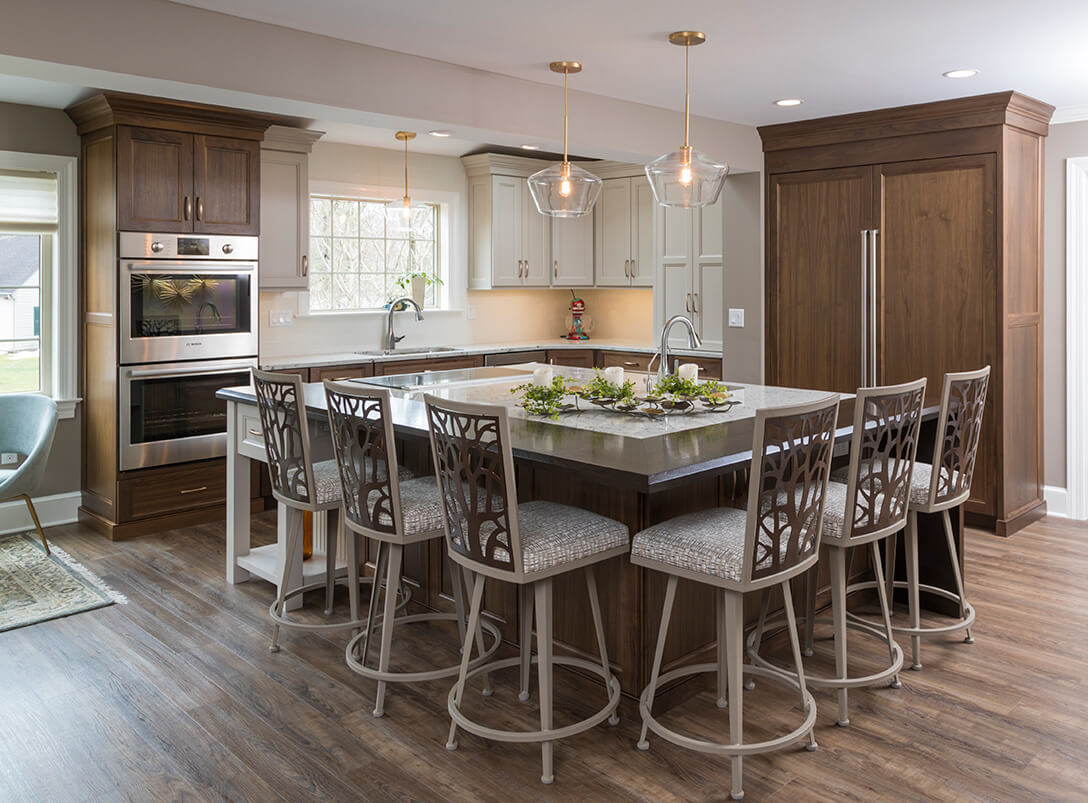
188	328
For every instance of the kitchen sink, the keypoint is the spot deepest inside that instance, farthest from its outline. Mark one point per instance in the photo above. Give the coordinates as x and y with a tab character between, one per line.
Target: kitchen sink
418	350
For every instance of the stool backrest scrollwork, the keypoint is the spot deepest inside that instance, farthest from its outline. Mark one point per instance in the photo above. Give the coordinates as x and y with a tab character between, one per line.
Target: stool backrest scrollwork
887	423
282	408
791	460
474	465
963	401
366	457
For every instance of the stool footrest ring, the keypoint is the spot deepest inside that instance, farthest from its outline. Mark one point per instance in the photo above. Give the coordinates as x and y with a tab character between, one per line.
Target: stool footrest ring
955	624
283	621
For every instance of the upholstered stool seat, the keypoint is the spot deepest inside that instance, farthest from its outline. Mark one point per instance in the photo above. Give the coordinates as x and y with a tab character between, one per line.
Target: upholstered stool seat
868	507
740	552
493	536
384	503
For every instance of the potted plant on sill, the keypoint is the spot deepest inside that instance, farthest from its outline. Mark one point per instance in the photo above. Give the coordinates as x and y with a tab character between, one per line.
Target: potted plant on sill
417	283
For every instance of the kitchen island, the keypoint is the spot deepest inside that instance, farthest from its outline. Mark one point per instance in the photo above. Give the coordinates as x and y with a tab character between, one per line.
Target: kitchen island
636	470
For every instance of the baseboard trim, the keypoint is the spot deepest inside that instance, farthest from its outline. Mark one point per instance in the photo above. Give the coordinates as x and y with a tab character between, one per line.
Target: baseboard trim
1057	501
52	510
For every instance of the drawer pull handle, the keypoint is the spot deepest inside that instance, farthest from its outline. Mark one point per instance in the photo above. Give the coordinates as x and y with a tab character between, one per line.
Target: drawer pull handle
630	363
193	490
256	433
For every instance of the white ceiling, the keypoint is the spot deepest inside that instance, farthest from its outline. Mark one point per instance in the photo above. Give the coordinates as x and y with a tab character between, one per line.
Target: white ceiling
838	55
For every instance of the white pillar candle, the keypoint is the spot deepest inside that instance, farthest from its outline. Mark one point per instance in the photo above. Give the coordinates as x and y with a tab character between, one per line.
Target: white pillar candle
614	375
688	371
542	375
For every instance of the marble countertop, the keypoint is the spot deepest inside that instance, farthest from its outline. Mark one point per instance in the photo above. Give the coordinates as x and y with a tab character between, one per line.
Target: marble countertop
556	344
621	450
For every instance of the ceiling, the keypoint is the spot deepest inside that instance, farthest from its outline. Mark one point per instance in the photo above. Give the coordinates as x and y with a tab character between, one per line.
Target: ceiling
838	55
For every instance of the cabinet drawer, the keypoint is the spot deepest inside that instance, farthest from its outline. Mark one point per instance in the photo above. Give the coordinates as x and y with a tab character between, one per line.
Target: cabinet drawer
174	490
250	437
628	360
338	372
420	366
709	367
575	358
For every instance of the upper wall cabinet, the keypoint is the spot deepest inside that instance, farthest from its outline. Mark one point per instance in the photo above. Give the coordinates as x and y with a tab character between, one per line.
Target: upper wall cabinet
285	208
174	181
624	233
690	266
572	251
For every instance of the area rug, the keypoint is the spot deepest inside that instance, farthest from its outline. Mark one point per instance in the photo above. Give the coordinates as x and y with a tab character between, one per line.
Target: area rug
35	587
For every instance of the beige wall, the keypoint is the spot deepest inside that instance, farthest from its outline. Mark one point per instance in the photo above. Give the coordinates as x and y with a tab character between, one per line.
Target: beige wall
742	250
30	129
1065	141
498	316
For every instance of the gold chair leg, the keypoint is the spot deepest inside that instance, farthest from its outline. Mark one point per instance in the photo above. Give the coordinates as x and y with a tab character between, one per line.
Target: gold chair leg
37	523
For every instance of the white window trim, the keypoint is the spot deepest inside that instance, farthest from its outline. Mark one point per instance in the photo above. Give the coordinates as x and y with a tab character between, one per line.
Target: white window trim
63	283
449	211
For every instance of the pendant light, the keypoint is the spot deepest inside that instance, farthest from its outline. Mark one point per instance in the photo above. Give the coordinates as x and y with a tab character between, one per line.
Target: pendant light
399	214
564	190
686	178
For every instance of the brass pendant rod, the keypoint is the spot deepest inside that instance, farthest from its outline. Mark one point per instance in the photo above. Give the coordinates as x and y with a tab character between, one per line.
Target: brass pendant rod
406	169
565	76
687	92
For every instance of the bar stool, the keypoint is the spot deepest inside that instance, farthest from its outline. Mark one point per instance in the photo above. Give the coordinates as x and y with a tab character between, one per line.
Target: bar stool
495	537
302	486
869	506
740	552
963	401
395	513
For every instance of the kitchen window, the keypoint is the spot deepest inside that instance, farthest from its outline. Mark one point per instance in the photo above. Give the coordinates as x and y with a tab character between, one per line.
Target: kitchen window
357	258
38	276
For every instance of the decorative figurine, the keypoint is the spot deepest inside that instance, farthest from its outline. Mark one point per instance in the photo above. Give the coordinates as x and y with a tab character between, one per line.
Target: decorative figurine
577	308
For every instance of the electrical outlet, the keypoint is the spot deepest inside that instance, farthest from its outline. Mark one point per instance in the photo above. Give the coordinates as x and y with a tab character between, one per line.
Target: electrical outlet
8	459
470	311
736	318
280	317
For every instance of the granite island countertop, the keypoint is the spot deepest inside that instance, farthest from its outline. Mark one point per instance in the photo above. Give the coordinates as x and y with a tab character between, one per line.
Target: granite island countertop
626	451
555	344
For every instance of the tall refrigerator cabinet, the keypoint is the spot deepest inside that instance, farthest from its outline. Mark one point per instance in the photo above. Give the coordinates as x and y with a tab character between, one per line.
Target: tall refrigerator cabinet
907	242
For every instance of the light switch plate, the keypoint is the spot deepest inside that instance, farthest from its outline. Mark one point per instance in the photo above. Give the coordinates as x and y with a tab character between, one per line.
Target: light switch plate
470	312
8	459
280	317
736	318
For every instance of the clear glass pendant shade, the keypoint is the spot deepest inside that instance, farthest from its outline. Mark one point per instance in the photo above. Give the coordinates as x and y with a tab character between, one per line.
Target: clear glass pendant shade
564	190
402	219
686	178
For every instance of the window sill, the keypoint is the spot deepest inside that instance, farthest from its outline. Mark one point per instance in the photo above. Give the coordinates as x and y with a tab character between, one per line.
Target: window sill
66	408
377	313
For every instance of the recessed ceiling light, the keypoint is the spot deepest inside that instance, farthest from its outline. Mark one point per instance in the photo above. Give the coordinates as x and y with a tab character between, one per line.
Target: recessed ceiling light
530	147
440	133
788	102
960	73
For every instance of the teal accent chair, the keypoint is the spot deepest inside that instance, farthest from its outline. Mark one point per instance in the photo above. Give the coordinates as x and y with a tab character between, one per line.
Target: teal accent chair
27	425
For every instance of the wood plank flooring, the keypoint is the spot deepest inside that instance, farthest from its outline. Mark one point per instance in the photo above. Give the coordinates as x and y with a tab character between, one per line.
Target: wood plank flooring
176	697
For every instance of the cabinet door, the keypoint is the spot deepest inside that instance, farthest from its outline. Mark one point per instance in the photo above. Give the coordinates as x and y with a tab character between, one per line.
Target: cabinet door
285	211
814	257
534	240
938	268
706	289
507	266
572	251
154	180
613	223
642	232
672	293
226	185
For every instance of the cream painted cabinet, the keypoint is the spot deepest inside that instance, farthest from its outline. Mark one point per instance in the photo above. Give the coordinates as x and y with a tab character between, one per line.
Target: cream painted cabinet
690	268
284	248
507	246
624	233
572	251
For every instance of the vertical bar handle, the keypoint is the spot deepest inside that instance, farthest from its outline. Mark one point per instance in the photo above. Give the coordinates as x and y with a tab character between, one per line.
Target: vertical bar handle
873	234
864	307
555	269
187	207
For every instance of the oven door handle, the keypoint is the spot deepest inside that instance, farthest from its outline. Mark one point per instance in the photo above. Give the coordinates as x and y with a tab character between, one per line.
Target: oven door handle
142	373
193	267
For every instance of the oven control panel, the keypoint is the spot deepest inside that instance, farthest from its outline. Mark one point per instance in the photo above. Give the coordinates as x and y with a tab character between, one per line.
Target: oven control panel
140	245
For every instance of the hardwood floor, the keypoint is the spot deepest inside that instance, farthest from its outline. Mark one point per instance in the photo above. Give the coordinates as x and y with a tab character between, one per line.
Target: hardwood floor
175	696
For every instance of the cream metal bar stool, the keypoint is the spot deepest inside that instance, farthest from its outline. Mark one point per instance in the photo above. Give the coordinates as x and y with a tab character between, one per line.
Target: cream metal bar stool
963	400
869	505
496	538
739	552
301	485
395	513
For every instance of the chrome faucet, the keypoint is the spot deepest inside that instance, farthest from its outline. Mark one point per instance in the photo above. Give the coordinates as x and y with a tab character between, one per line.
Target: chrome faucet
391	339
693	340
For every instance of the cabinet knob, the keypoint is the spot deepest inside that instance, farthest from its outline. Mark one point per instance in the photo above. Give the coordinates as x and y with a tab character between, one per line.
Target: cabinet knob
228	248
157	247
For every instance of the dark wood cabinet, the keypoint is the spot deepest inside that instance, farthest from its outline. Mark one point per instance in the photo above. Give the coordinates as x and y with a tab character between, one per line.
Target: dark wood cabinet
905	243
154	180
431	364
628	360
575	358
226	185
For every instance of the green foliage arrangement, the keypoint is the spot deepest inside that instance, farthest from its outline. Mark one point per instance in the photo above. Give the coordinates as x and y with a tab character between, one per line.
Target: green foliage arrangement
687	387
599	388
546	400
